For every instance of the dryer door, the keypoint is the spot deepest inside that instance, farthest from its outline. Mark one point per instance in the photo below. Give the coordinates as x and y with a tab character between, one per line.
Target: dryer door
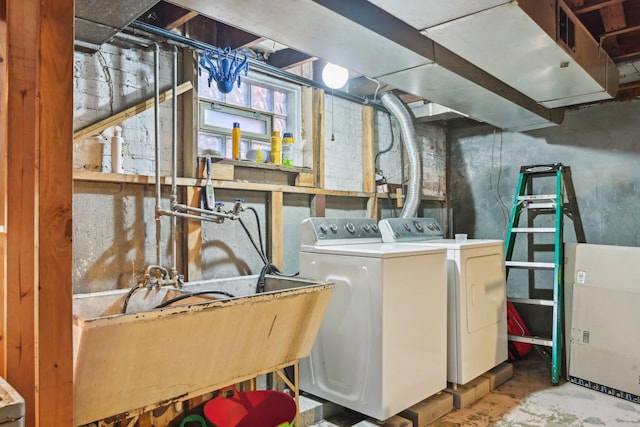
485	288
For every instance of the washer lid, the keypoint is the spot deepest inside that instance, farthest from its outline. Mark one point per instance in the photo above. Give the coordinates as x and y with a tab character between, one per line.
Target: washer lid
373	250
11	403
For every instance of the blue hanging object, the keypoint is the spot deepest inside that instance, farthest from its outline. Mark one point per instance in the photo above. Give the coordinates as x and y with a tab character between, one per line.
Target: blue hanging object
227	68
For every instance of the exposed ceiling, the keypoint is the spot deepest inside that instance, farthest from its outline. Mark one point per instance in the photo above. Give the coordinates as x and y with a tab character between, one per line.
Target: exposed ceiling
614	24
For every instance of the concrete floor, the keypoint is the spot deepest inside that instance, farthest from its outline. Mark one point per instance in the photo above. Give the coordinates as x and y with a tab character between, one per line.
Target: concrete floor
529	400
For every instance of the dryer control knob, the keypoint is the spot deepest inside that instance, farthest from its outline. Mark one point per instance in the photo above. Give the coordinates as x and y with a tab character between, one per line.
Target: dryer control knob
431	227
419	226
323	229
366	228
334	228
407	227
374	227
350	227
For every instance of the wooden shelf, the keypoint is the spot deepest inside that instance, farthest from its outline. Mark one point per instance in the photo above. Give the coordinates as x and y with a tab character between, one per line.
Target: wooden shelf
89	176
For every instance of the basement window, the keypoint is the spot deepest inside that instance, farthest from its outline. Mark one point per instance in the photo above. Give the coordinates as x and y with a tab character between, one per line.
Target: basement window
261	105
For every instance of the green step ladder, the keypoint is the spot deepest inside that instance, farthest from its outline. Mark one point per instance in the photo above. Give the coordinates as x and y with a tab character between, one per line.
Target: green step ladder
550	204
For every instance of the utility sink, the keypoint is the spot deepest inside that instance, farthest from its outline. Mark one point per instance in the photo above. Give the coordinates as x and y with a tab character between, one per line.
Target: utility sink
133	361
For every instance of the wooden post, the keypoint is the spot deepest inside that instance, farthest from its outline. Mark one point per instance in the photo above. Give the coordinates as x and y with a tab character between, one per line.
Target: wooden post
318	205
276	231
369	159
39	121
193	259
318	137
3	181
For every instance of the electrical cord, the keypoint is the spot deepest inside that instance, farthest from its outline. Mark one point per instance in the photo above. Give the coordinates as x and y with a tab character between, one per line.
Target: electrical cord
255	214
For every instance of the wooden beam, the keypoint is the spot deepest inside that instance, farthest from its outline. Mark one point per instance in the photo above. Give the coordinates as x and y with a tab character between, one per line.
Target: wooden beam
55	188
622	31
595	6
117	118
574	3
188	16
613	17
39	183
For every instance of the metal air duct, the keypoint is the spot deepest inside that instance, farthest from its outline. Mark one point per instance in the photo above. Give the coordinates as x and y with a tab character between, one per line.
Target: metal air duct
410	141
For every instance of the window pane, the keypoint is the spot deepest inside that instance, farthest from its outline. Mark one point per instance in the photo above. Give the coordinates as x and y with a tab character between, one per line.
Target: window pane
279	102
206	91
240	95
261	98
212	145
226	120
260	145
280	124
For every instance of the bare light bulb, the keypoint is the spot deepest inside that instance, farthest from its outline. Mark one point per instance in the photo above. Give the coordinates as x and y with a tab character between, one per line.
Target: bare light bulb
334	76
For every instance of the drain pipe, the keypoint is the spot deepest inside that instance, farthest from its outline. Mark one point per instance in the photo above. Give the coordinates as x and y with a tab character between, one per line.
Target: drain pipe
156	111
412	201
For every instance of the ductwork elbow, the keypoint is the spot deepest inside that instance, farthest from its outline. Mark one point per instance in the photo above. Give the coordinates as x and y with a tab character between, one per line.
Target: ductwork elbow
410	140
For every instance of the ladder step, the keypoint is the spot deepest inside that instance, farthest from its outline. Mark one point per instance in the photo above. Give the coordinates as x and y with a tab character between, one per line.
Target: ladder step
534	230
551	206
532	340
531	301
530	264
537	197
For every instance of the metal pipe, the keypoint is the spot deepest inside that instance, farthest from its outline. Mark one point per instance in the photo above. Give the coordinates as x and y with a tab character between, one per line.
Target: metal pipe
214	218
265	68
410	141
156	110
174	145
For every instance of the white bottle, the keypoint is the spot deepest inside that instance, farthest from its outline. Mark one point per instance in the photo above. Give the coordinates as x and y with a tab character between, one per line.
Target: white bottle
117	151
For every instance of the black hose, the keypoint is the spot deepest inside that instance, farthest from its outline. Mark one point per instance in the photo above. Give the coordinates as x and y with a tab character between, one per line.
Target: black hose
261	253
192	294
128	297
255	214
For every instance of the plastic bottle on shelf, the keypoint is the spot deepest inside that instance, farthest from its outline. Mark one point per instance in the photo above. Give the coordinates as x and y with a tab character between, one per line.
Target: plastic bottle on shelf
117	151
235	141
276	147
287	149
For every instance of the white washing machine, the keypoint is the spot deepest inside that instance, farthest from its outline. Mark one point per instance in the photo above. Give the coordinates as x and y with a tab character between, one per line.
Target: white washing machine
477	317
381	347
11	406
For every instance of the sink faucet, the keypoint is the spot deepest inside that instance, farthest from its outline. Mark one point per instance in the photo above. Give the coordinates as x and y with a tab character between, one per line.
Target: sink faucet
150	280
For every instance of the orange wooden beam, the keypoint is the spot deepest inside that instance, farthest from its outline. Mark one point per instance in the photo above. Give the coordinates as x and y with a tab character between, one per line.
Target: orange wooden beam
39	123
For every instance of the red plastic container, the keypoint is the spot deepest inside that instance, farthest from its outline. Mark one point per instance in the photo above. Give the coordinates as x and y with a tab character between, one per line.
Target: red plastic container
259	408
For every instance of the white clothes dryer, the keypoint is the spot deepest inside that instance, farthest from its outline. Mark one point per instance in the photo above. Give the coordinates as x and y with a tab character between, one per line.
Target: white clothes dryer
477	317
381	347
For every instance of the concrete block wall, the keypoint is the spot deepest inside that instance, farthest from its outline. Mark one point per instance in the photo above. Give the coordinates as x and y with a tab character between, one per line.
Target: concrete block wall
600	143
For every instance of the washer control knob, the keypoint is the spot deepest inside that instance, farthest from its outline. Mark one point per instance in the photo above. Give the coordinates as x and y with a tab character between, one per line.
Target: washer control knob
350	227
419	226
366	228
436	226
334	228
323	229
431	227
374	227
407	226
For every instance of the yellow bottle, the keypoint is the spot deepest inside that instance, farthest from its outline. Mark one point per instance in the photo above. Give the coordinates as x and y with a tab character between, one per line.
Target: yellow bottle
276	147
235	141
